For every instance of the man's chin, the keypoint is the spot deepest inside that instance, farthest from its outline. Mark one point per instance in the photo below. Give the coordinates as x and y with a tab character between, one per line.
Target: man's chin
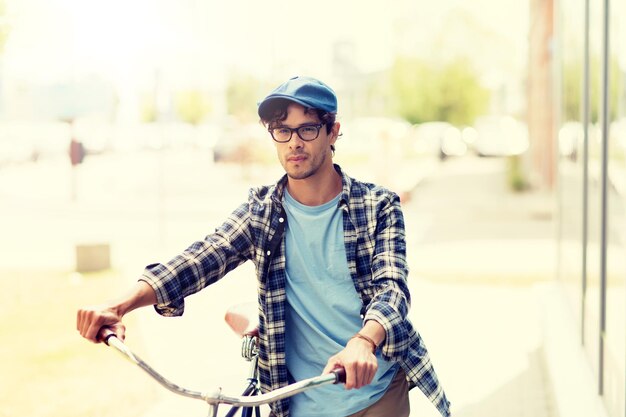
299	172
299	175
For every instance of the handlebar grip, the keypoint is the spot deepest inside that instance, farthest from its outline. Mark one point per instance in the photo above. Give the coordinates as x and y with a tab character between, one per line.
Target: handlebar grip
340	375
105	334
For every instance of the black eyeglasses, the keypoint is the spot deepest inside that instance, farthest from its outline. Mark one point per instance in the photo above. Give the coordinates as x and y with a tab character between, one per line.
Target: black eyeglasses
307	133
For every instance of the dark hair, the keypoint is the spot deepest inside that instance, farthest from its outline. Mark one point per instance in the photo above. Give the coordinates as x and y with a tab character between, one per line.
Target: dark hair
279	113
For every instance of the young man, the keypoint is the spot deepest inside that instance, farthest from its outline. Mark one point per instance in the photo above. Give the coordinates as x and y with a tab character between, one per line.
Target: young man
332	276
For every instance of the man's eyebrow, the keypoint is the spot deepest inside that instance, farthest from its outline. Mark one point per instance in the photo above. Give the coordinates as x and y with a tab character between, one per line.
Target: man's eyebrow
302	125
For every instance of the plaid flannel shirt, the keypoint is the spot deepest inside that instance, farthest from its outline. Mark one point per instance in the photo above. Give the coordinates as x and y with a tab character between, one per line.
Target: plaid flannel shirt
376	255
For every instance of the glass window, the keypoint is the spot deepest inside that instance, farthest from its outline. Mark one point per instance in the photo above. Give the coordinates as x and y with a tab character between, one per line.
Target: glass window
615	340
591	315
585	295
570	142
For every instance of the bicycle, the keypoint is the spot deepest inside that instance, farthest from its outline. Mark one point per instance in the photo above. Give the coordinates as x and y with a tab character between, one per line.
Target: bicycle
251	399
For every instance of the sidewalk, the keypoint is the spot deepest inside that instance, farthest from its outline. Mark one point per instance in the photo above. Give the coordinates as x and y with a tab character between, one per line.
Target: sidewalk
475	251
482	276
573	381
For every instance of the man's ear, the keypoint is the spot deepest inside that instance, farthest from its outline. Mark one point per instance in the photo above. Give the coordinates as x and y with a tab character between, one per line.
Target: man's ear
334	131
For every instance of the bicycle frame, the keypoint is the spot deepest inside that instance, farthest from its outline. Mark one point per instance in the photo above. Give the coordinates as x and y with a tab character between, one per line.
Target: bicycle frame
215	398
250	352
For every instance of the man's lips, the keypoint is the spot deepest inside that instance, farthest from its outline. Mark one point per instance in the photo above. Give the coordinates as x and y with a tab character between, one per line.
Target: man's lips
296	158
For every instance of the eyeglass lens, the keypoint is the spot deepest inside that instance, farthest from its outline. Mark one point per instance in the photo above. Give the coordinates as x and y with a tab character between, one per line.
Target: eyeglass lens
283	133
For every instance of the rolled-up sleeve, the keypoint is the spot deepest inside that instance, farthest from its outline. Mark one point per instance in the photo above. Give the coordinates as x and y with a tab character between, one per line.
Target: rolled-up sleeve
201	264
391	301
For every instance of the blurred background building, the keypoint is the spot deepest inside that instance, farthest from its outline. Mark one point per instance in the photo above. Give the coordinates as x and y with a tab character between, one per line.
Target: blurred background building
589	112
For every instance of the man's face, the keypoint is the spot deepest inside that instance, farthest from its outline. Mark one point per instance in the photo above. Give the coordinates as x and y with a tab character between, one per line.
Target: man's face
303	159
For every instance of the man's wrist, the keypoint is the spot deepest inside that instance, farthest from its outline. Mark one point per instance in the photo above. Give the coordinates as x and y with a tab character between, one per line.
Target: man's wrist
366	339
141	295
375	331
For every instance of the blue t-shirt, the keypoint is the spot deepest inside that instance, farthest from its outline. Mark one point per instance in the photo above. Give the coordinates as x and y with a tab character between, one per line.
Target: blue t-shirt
323	310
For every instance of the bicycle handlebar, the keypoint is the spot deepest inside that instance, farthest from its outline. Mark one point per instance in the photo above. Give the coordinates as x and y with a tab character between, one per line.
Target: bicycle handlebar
337	376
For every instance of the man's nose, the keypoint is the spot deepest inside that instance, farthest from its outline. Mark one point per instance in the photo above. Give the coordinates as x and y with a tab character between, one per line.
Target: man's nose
296	142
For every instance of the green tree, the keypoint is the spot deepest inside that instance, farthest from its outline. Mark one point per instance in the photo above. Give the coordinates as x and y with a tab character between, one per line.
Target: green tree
425	92
191	106
241	94
4	27
572	79
147	107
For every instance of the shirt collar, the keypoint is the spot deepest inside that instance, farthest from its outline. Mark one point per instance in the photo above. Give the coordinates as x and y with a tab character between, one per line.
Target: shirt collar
346	182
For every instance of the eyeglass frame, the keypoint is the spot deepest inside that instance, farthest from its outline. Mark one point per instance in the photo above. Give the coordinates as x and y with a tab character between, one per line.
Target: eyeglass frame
318	126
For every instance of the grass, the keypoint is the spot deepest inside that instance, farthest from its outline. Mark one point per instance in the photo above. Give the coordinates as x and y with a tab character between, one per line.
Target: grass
48	370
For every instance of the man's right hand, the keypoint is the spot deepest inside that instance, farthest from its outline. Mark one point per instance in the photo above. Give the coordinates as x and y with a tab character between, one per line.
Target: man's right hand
91	320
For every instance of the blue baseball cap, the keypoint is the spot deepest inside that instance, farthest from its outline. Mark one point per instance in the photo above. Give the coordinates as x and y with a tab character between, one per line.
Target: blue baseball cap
306	91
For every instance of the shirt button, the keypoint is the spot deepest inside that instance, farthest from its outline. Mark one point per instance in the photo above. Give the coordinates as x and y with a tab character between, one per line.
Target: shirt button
280	220
269	253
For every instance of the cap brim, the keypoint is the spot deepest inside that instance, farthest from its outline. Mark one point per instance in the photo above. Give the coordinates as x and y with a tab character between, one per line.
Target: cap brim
265	107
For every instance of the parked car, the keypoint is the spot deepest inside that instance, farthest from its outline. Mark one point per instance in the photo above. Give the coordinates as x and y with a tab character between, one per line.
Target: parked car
571	137
500	136
29	141
241	142
440	138
364	134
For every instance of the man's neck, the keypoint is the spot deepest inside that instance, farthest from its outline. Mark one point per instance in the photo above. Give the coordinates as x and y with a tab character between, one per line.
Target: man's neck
316	190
